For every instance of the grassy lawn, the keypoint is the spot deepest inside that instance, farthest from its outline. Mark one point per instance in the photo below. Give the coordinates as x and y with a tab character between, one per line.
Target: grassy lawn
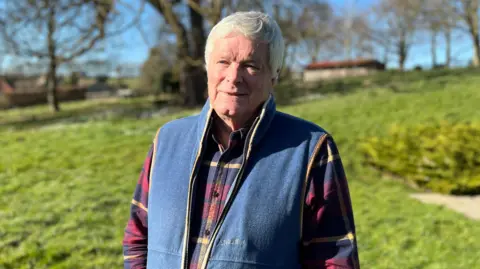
80	111
65	188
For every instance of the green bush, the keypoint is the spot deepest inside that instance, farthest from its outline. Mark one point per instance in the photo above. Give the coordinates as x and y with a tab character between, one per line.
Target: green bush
441	157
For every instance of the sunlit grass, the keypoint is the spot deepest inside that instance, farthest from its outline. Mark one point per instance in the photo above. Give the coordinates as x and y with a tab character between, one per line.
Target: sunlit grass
65	189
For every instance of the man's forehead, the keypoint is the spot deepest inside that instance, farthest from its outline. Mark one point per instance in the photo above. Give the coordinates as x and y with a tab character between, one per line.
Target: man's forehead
254	41
231	45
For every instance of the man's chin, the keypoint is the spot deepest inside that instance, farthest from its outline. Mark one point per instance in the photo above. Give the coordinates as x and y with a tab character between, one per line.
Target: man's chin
231	112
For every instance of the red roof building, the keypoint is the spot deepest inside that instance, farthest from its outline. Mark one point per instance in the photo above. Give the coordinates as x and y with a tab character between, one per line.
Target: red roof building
370	63
5	87
339	69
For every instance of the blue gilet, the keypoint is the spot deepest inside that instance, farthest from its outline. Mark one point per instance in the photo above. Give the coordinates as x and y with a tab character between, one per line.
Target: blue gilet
260	226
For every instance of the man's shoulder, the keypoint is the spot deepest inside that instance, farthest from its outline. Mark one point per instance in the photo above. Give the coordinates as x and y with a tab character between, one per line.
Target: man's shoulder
188	121
296	124
176	127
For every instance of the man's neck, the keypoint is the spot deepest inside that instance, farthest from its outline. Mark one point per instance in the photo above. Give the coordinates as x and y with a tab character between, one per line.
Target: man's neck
224	126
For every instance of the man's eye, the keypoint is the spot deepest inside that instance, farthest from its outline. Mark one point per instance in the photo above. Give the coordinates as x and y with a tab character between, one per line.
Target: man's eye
251	66
222	62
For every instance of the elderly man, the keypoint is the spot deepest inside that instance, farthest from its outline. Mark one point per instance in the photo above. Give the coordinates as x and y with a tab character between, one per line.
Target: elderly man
241	185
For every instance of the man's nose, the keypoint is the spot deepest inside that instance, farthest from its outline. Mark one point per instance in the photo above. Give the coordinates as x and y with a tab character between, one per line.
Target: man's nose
233	74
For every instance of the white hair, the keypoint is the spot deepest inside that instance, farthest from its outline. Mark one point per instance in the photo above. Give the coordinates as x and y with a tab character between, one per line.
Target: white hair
256	26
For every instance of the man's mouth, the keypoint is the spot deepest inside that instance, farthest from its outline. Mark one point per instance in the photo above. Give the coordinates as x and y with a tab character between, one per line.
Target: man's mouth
236	94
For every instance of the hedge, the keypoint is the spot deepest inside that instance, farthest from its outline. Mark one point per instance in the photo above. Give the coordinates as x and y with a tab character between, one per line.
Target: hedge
442	157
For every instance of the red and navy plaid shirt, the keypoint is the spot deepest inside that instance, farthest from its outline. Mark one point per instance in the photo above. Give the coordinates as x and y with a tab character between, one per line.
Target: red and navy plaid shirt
328	226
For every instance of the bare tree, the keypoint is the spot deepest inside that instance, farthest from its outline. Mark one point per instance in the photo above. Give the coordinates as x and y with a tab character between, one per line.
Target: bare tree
288	17
287	21
58	30
316	27
467	11
190	35
190	41
354	37
399	23
448	22
439	17
346	29
432	18
448	27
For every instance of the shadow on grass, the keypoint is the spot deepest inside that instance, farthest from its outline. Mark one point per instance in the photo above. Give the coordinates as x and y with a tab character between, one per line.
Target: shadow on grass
96	113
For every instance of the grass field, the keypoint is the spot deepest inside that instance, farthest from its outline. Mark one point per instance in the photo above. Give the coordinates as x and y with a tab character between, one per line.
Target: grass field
65	187
82	111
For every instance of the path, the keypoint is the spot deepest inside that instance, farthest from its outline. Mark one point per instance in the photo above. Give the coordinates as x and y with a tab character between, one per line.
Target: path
467	205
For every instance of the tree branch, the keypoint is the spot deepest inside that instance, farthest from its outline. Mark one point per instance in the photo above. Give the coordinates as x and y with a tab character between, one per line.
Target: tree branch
134	22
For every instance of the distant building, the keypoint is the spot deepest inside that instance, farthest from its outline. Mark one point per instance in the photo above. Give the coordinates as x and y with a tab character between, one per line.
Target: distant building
5	86
21	83
331	70
19	90
100	90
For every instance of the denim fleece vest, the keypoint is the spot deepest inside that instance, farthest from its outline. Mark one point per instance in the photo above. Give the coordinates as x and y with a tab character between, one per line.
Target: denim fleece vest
260	226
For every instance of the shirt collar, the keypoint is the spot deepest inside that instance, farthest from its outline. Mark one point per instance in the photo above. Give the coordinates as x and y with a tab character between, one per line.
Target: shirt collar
237	137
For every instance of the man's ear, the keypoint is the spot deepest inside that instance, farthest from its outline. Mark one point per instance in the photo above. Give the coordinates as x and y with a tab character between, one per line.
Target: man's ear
275	79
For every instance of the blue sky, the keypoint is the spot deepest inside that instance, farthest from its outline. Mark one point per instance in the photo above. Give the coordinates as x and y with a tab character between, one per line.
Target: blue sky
420	54
132	47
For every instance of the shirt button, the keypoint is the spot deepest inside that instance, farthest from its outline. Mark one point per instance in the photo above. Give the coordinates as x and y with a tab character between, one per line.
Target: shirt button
207	232
216	194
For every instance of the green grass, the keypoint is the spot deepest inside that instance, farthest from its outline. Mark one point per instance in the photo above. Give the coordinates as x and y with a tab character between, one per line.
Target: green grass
80	111
65	188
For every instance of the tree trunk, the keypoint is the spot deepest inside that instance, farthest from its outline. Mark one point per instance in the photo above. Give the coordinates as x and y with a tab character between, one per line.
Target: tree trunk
192	77
433	48
190	58
476	49
196	70
471	10
186	88
217	6
448	49
52	85
402	55
402	50
52	70
347	43
386	53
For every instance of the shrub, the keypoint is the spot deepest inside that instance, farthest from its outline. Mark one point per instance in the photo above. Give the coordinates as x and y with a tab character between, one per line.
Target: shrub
441	157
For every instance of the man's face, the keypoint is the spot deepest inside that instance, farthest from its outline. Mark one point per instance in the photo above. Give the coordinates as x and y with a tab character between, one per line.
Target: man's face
239	77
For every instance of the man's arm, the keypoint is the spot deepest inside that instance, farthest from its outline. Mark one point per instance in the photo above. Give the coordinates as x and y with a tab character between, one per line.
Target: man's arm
135	238
329	239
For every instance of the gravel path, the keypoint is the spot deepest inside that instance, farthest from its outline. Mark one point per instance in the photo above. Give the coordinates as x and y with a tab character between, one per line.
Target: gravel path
467	205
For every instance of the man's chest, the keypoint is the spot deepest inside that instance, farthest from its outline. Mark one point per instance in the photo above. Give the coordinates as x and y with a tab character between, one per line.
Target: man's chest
215	179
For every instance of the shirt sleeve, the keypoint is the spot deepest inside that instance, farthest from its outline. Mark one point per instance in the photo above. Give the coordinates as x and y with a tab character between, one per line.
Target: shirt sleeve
329	239
135	237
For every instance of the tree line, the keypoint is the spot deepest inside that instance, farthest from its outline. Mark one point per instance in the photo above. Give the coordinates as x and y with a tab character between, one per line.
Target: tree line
61	31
